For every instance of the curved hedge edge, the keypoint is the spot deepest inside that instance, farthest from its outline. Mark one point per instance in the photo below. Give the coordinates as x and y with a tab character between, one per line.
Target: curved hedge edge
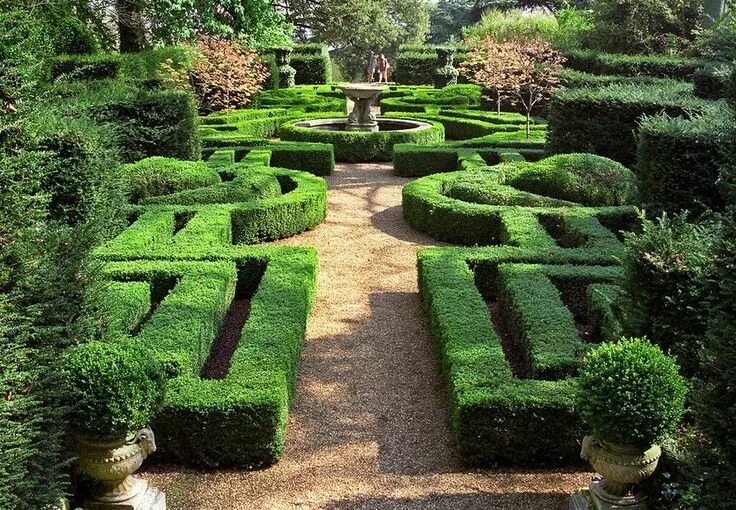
212	230
359	147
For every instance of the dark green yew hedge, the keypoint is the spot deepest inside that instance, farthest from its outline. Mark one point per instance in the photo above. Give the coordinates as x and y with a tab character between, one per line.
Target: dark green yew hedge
678	162
525	414
656	66
604	120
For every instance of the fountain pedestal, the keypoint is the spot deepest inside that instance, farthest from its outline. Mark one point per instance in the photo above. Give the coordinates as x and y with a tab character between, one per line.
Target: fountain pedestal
363	95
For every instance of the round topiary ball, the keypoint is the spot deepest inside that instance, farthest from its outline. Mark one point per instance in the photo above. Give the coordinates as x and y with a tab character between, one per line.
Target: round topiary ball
630	393
111	389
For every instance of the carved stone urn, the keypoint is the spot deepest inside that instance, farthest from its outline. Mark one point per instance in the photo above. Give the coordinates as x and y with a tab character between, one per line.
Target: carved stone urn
111	465
622	468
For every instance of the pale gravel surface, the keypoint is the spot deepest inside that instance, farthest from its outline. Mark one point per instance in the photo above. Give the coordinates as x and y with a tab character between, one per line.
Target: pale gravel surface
368	428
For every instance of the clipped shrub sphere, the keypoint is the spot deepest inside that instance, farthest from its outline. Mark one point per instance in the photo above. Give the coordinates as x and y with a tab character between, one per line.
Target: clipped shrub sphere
630	393
111	389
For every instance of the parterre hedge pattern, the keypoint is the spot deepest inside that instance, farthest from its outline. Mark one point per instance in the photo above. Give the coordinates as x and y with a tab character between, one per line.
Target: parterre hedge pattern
173	275
513	318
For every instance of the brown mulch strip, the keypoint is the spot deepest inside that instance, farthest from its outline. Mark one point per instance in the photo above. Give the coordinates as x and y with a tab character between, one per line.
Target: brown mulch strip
224	347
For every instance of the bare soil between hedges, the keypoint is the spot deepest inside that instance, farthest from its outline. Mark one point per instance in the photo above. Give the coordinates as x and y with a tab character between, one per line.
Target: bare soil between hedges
369	426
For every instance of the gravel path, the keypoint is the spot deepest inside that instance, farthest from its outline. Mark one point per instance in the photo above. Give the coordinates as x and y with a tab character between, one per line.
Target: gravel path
368	429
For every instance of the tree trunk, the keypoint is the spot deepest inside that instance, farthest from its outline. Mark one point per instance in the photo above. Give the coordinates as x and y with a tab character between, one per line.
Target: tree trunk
528	123
130	26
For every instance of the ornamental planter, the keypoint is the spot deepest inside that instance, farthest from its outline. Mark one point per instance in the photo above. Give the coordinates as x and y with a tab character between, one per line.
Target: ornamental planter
286	73
445	74
622	468
111	465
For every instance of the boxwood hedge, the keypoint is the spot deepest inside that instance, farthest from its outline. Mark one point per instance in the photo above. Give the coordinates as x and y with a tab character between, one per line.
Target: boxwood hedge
511	398
656	66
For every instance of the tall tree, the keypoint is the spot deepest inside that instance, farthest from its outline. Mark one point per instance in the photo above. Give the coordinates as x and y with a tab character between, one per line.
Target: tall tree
448	19
352	28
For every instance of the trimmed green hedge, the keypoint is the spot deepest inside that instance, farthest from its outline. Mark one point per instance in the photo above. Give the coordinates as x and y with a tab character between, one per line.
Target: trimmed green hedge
354	146
412	160
604	120
520	414
578	79
678	162
415	64
656	66
85	67
496	204
315	158
239	420
311	61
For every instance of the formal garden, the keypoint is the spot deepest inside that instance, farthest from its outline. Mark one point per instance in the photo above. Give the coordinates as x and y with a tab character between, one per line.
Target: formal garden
245	265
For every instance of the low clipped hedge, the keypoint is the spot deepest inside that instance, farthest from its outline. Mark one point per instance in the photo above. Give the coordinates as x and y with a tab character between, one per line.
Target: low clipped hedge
501	204
173	275
679	160
353	146
255	204
604	120
579	79
521	414
412	160
656	66
315	158
239	420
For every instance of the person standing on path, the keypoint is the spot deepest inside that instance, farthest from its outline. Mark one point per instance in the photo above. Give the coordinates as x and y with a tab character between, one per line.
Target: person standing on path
372	62
383	66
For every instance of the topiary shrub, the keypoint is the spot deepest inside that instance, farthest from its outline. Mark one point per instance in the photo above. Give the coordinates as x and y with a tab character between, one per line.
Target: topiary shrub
713	81
630	393
161	176
111	389
667	266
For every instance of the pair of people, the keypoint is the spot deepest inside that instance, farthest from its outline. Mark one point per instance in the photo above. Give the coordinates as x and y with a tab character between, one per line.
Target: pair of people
379	63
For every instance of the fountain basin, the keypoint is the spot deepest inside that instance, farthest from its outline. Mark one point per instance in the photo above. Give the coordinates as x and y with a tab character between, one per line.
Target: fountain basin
357	146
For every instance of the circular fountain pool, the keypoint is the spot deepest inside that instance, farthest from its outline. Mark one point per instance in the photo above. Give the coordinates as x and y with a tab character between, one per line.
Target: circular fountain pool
362	136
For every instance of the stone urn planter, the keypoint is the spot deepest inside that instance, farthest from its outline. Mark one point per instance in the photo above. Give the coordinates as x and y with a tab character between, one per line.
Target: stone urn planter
445	74
631	395
622	468
286	73
111	464
112	391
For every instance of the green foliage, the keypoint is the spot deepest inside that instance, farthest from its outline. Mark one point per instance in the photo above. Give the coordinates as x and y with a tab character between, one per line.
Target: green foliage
678	162
356	146
633	26
111	390
667	266
162	176
480	206
630	393
88	67
354	27
718	42
255	23
500	410
716	400
448	19
604	120
655	66
150	122
563	30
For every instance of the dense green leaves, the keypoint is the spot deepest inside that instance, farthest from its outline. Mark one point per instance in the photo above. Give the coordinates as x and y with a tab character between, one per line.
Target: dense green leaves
630	393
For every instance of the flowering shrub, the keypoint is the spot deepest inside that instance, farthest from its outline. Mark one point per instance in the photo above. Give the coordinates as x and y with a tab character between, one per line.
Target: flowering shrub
527	74
224	74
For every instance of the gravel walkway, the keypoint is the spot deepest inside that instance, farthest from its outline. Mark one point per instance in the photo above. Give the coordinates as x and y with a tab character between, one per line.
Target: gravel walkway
368	429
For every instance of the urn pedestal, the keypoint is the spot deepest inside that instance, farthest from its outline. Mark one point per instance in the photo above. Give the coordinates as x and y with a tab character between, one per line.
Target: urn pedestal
622	467
111	465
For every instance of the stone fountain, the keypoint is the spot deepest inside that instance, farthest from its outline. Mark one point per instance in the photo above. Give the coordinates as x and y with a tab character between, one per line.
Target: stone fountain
363	95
